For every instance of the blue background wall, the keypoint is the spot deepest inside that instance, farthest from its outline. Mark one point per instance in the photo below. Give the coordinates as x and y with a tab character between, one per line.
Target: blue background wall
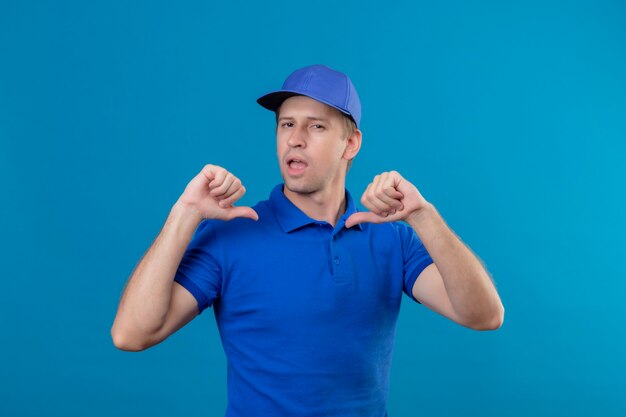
509	116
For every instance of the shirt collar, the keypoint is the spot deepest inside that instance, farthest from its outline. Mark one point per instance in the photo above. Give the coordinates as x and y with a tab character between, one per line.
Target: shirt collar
291	217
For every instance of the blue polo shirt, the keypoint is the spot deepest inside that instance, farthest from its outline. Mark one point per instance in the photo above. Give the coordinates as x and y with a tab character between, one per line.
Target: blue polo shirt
306	312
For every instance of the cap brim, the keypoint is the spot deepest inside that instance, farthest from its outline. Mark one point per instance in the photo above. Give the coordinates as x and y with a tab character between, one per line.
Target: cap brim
273	100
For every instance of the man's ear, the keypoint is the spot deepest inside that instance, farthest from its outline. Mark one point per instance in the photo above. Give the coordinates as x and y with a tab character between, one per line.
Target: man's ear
353	145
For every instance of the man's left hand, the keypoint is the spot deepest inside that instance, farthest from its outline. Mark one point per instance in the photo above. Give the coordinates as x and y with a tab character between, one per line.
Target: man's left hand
390	198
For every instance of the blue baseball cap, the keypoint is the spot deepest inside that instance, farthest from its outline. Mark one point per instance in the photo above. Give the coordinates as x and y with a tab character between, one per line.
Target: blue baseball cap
319	83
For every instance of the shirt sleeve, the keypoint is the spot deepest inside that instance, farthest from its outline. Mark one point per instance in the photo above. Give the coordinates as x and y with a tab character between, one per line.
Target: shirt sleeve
415	257
199	272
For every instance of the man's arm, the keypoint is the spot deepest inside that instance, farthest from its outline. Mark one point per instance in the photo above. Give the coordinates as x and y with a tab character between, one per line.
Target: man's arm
153	306
457	286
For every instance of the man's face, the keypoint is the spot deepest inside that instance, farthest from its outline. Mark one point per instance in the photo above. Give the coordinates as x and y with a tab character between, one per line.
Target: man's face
311	140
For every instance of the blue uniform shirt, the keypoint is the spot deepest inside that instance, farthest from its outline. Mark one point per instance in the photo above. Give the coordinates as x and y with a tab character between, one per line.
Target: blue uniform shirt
306	312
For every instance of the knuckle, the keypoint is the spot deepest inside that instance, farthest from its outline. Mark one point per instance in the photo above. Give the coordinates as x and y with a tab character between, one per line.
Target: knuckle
235	195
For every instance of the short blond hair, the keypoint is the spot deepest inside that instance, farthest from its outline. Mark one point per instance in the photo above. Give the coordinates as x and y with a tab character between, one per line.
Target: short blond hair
350	127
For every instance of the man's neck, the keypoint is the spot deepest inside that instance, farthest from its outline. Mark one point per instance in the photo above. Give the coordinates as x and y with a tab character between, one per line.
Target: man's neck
325	205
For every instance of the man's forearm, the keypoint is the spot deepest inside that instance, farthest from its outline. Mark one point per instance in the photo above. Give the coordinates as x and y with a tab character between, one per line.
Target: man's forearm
469	287
145	302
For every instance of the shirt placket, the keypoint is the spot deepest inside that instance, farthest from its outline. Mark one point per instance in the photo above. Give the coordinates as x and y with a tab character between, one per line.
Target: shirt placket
337	256
334	251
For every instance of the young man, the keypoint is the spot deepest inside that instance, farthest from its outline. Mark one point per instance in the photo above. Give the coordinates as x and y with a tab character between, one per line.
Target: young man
306	290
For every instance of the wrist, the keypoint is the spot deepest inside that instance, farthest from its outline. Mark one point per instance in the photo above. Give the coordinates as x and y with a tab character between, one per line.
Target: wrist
421	215
186	213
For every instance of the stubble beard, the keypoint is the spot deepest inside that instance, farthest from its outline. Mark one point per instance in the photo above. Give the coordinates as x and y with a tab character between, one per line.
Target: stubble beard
308	184
301	185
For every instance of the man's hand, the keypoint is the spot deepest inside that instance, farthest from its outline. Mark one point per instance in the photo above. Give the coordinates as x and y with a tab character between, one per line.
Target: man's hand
389	198
212	193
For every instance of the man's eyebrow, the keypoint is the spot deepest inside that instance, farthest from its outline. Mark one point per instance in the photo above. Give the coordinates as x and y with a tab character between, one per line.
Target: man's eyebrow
319	119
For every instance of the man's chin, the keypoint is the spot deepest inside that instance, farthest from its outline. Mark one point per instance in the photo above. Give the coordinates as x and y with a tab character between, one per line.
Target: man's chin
298	187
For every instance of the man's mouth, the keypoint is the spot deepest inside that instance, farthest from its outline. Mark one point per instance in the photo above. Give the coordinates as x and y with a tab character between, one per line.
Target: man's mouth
296	165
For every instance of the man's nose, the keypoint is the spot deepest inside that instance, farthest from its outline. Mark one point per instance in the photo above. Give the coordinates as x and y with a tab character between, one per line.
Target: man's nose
297	138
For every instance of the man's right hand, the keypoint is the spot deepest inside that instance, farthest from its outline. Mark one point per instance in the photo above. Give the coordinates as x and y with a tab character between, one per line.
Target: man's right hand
212	193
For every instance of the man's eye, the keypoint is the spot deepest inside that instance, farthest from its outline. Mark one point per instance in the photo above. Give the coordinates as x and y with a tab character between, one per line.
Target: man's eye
318	126
286	124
